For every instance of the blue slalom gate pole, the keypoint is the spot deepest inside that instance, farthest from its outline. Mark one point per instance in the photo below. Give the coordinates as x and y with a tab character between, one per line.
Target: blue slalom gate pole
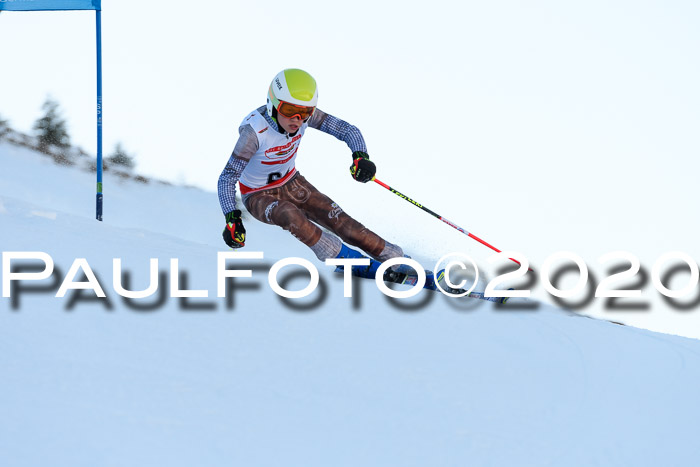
98	206
68	5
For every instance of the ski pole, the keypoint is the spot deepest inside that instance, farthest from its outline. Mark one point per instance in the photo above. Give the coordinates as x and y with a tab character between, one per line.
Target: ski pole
434	214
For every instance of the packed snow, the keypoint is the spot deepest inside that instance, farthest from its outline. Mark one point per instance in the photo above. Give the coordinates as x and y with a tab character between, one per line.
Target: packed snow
252	379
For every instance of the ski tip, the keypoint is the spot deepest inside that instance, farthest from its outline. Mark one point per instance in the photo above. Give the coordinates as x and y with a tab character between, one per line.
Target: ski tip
505	299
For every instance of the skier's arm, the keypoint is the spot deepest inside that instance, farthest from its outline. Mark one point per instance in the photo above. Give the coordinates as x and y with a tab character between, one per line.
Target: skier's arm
341	129
362	169
245	148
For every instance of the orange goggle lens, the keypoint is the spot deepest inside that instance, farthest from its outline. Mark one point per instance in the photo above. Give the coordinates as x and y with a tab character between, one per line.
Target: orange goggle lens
292	110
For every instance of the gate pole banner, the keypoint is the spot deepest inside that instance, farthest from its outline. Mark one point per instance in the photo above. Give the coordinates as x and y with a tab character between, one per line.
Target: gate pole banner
62	5
49	5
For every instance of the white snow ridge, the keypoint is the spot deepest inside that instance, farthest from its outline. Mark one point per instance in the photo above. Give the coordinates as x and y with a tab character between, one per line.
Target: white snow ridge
252	380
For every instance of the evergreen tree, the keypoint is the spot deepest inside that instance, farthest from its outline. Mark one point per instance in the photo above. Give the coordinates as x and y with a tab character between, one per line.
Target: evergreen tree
51	128
121	157
4	127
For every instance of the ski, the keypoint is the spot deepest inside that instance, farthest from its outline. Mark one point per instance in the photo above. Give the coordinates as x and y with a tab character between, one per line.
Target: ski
411	278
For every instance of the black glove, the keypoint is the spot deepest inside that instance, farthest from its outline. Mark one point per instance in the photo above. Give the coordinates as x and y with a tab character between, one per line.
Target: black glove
362	169
234	233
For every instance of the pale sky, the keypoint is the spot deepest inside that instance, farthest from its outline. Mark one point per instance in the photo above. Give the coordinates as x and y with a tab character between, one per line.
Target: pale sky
516	79
575	123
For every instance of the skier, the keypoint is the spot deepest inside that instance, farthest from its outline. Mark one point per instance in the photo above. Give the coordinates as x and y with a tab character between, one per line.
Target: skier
274	192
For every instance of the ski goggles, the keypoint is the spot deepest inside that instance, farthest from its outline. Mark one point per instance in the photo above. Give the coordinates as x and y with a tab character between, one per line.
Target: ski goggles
293	110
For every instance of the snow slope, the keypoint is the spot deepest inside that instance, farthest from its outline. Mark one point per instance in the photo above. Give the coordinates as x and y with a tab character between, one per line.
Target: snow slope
257	381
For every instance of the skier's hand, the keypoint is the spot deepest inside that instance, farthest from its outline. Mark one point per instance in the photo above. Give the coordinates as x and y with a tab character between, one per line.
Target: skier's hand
362	169
234	233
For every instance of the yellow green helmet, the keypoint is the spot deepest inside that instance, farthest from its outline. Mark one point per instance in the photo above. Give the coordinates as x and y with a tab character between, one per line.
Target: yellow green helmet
293	86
